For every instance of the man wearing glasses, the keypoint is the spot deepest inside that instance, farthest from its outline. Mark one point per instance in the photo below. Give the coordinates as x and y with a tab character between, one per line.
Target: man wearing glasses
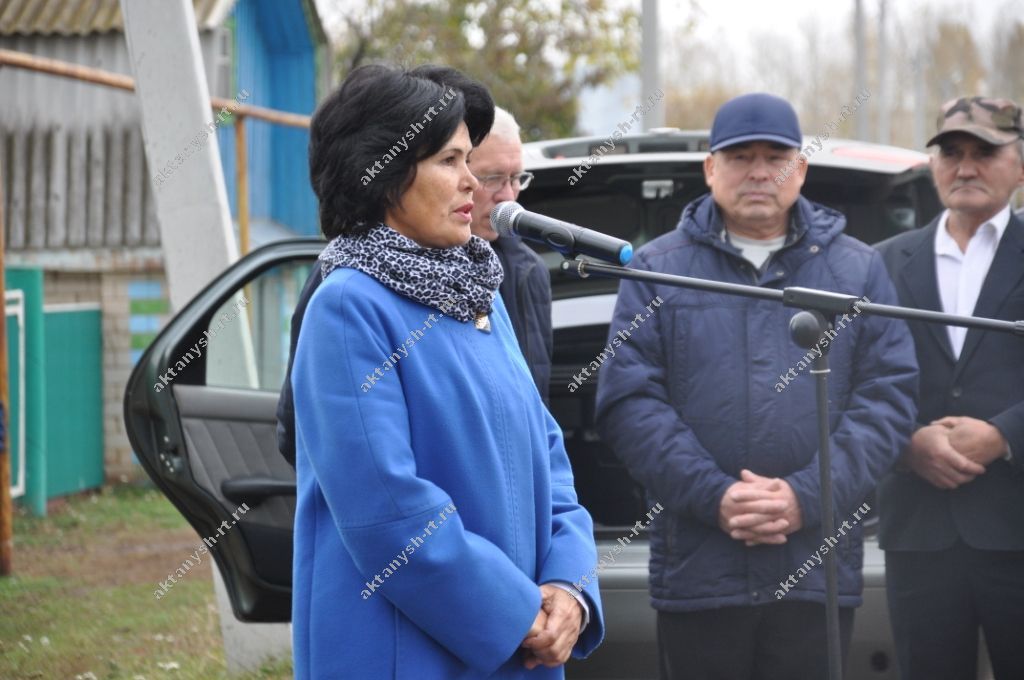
498	165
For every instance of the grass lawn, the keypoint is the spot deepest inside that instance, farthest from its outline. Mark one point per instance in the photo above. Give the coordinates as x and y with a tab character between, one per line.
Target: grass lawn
81	604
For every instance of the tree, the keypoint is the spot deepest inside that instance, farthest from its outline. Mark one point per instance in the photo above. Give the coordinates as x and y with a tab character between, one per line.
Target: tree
1007	75
955	64
694	107
535	56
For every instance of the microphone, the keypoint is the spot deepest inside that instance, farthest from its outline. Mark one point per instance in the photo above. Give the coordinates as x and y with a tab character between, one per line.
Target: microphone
570	240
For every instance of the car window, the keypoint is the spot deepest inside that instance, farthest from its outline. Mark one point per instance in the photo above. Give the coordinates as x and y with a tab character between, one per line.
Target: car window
632	202
641	202
877	206
248	335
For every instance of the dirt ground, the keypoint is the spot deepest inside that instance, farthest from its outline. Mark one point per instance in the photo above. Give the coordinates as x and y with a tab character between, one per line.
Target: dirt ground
81	602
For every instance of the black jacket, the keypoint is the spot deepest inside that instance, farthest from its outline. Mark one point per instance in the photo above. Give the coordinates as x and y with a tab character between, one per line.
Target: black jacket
987	382
526	289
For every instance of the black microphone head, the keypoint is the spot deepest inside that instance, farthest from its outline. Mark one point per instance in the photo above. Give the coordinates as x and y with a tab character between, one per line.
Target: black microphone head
503	215
806	328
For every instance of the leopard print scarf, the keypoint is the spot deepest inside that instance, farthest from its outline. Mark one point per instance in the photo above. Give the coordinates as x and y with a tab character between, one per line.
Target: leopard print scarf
469	274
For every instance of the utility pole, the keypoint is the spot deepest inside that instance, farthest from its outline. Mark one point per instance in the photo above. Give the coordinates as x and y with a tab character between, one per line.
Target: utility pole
881	107
196	233
860	67
6	504
920	66
650	72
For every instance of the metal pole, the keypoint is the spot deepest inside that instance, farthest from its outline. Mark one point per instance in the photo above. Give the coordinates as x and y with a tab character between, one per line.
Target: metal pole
860	67
828	529
64	69
806	329
882	105
920	66
650	73
242	190
242	198
6	505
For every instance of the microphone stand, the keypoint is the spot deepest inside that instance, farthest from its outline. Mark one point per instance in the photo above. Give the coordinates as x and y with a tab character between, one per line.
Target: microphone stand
819	310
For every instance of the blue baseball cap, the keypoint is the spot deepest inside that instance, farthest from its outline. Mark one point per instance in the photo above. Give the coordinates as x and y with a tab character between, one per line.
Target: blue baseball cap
757	117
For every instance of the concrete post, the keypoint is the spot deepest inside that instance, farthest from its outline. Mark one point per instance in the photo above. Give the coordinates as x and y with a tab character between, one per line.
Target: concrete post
195	223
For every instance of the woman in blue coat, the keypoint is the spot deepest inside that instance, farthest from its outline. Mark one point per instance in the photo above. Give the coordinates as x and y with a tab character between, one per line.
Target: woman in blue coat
437	530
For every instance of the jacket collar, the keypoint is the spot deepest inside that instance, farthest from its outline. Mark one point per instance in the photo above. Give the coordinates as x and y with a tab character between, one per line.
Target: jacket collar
1003	276
919	277
921	281
702	221
946	244
812	228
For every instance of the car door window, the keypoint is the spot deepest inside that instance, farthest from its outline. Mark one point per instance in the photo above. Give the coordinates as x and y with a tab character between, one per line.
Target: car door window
249	333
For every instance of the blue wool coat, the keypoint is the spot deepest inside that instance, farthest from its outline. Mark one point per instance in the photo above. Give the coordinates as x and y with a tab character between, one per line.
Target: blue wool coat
451	419
708	384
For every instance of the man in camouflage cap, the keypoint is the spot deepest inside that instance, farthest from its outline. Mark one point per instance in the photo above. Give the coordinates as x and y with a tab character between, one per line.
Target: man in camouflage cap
952	511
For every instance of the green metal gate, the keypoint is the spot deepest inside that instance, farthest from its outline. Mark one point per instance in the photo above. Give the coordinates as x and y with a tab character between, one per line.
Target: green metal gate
74	398
55	405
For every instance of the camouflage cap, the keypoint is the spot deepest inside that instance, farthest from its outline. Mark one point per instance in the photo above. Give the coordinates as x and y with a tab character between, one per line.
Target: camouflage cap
997	121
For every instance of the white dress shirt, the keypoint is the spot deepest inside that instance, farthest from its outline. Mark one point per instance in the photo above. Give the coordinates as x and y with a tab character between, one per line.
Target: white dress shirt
961	274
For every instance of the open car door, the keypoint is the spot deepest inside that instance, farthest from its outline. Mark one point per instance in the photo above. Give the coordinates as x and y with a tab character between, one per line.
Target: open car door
200	412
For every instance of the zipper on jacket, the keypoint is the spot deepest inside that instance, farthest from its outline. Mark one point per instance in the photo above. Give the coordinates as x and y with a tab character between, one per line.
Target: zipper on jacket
747	266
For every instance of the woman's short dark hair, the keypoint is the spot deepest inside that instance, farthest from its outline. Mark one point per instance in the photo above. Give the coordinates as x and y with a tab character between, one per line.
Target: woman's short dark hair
358	165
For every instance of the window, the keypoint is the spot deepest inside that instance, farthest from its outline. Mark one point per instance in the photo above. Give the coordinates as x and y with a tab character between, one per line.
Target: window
249	334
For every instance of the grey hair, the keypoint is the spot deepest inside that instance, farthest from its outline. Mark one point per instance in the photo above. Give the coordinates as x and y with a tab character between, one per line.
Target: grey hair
505	125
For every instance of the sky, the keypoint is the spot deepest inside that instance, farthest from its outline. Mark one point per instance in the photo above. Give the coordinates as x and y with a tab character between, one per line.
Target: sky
740	19
736	26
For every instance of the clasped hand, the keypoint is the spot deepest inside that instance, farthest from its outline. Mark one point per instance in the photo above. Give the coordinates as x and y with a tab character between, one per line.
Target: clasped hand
554	632
954	450
759	509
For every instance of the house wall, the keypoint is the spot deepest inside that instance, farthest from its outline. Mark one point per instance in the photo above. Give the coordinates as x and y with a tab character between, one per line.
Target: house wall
79	203
78	198
72	162
276	64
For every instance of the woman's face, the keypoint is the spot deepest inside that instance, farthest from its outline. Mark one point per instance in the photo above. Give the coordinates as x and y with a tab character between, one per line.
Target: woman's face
436	210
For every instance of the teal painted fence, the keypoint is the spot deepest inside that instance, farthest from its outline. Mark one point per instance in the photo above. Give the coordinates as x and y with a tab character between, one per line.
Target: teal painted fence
55	405
74	398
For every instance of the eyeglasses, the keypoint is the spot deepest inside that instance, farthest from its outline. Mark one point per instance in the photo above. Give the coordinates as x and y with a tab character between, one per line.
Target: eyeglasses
495	183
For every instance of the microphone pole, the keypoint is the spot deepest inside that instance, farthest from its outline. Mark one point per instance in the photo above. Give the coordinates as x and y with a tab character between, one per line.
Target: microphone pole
819	309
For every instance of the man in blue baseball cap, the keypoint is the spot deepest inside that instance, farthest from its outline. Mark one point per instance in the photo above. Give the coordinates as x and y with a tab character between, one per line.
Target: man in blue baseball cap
712	408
